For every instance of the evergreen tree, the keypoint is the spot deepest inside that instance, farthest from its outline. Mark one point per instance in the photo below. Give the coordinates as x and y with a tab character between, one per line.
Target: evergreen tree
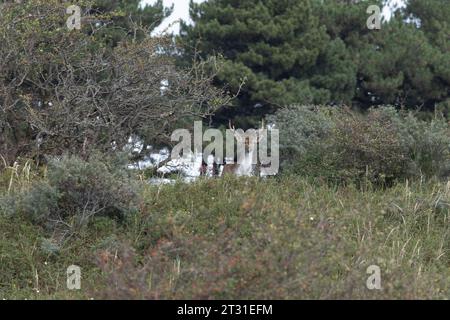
433	16
345	19
277	47
407	62
321	51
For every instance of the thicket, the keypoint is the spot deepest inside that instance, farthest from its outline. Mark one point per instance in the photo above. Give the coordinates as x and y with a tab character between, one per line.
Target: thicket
381	146
65	91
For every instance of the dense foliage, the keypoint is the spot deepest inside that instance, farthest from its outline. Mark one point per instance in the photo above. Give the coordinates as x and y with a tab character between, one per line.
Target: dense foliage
125	19
62	91
379	147
310	51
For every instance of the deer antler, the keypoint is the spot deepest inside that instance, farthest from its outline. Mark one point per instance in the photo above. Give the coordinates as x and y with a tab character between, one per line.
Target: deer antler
237	134
232	127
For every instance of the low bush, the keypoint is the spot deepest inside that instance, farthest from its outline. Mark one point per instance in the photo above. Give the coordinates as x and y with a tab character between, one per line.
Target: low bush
428	144
379	147
305	143
368	148
75	190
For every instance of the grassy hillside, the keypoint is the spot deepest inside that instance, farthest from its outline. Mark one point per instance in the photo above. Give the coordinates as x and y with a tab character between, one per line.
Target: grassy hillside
235	239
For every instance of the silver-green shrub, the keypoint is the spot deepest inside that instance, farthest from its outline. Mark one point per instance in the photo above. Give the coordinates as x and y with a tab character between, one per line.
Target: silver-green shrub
380	146
76	190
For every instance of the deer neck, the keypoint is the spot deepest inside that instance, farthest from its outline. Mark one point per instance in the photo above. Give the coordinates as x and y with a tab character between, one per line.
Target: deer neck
245	167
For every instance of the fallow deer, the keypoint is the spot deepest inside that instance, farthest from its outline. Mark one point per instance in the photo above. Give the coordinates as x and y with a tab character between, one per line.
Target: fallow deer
245	166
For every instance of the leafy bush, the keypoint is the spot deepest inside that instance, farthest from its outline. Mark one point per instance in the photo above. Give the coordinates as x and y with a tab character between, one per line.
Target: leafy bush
369	146
304	131
76	190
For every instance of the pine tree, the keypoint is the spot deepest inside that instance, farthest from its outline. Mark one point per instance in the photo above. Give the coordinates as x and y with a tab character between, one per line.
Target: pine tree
321	51
434	19
407	62
277	47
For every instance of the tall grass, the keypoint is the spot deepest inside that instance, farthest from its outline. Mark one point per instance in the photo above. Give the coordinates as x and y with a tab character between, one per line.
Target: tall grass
245	238
16	177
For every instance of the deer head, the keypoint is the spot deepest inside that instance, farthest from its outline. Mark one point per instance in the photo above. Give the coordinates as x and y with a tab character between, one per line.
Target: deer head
247	148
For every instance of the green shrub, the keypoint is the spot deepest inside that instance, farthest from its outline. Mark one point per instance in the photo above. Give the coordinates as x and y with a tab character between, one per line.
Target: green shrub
378	147
303	126
74	191
305	133
369	147
428	144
